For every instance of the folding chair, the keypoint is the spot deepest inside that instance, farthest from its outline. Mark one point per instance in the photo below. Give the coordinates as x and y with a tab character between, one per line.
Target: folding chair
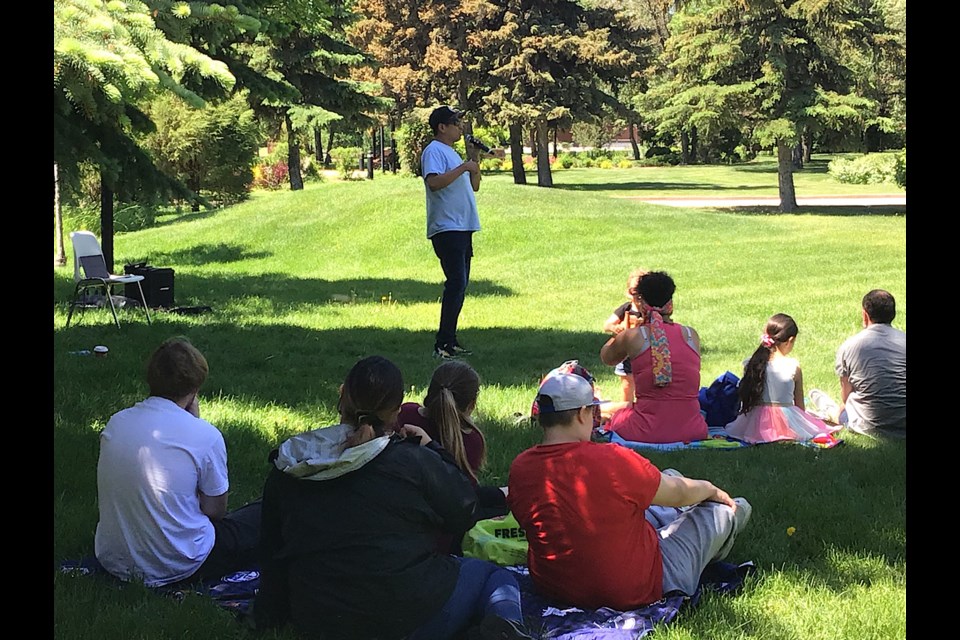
90	272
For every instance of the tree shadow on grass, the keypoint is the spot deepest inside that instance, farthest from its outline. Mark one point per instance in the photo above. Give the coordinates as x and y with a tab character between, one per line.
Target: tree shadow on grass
221	253
285	292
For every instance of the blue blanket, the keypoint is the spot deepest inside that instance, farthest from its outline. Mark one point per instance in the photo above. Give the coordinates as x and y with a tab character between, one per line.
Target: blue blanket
545	619
717	438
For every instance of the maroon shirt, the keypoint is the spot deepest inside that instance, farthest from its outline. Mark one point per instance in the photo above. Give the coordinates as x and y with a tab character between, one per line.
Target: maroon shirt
472	442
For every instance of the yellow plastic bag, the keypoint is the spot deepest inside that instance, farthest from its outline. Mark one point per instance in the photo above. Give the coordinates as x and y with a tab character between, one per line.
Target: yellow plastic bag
499	540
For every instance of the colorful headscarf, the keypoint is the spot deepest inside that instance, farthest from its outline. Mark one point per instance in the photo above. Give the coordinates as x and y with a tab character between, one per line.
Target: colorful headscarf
659	347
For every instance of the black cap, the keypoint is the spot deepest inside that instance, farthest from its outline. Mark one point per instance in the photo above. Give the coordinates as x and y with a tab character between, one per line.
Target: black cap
444	115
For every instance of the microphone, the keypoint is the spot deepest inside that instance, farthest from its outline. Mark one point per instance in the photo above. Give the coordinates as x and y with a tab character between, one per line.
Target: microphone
479	145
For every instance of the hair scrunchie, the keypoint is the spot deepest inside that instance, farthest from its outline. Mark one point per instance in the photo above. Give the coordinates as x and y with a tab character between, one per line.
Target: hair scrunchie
767	341
659	346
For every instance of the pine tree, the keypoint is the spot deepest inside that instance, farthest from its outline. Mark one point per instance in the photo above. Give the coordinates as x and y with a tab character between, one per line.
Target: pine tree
772	68
109	57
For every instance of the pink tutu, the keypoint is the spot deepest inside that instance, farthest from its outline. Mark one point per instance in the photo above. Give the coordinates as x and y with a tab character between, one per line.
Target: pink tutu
770	423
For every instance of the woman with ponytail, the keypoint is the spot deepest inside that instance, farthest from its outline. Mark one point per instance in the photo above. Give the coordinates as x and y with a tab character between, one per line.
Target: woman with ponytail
447	415
665	363
350	518
771	391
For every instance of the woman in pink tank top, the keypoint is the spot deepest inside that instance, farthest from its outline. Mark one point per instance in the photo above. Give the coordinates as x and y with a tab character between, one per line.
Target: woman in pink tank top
665	357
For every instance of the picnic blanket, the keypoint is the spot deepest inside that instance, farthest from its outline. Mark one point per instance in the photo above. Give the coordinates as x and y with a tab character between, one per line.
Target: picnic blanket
545	619
717	438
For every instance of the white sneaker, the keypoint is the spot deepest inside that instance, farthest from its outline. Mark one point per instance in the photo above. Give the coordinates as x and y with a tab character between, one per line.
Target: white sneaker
826	407
672	472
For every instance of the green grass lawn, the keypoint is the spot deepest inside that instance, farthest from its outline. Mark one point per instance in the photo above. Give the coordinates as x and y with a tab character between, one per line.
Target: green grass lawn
550	266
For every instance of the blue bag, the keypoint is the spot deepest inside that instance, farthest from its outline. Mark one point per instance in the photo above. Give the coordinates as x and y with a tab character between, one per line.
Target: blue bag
720	402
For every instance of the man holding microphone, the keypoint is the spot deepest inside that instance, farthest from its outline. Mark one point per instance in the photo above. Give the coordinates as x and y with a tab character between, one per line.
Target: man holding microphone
452	219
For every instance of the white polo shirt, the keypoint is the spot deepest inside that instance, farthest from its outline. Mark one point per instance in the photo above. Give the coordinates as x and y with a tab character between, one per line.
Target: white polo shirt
154	459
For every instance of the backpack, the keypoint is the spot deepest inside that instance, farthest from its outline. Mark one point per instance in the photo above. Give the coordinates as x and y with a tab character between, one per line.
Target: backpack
571	366
720	402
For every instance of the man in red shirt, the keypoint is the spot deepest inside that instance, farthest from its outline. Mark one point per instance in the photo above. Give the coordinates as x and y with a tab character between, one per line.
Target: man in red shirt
593	539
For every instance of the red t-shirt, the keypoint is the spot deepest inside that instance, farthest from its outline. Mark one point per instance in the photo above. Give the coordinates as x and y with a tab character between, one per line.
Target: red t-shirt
582	507
472	442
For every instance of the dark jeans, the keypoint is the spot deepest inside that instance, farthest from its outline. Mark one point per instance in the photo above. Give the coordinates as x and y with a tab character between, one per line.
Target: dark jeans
482	589
235	548
455	249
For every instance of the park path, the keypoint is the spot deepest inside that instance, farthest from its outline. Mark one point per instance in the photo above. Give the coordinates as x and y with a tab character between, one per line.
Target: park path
762	201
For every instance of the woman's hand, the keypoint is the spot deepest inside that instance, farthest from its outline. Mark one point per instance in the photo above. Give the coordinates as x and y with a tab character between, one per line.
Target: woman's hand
409	430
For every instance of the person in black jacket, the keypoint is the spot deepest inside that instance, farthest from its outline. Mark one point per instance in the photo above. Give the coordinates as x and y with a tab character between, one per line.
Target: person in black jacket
350	518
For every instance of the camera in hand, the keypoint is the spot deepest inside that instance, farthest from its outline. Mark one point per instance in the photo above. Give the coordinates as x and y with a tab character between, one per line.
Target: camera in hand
479	145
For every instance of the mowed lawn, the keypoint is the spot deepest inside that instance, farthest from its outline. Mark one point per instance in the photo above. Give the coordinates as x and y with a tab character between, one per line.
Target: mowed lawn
302	284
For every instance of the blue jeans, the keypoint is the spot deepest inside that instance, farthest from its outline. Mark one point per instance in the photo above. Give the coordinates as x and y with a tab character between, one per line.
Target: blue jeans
455	249
483	588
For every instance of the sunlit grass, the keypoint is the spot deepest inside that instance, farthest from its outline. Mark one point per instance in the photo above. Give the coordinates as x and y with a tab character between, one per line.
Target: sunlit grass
302	284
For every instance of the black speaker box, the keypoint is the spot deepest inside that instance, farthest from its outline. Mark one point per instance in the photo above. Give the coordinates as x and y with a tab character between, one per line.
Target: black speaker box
157	285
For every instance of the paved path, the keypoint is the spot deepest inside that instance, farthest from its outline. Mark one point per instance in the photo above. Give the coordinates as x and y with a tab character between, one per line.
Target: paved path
773	201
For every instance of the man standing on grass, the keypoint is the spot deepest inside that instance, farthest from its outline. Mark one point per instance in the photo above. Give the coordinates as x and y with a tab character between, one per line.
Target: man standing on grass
452	219
162	483
605	527
872	366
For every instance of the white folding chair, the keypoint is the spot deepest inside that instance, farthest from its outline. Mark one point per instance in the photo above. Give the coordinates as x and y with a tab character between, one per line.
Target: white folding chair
90	272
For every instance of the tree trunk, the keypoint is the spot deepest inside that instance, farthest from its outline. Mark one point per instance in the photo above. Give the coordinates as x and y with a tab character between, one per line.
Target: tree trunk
694	146
533	141
807	145
684	148
633	141
383	153
106	223
544	177
788	195
293	155
555	142
318	144
60	257
798	156
327	160
516	154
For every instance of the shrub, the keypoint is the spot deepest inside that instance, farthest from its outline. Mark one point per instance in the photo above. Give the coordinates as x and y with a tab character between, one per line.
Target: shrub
507	165
872	168
411	137
491	164
901	170
346	160
566	160
625	164
270	175
605	164
212	150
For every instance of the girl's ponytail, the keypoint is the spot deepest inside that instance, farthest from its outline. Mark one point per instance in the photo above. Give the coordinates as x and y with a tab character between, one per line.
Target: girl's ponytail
780	328
451	396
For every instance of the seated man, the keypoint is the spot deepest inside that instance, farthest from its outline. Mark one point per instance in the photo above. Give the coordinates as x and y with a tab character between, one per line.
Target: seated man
872	366
583	506
162	483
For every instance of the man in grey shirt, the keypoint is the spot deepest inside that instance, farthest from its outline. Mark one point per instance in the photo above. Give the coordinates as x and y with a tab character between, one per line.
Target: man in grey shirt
872	366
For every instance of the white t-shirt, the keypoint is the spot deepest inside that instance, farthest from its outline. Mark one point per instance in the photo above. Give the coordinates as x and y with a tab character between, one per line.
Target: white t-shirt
154	459
453	208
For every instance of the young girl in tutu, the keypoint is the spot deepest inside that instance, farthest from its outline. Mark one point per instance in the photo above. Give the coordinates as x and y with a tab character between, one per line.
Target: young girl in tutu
771	391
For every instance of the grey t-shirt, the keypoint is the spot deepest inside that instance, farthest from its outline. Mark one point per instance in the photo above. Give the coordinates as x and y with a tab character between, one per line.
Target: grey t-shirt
875	362
453	208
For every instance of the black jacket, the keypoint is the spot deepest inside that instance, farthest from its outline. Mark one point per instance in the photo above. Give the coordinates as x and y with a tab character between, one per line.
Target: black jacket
354	556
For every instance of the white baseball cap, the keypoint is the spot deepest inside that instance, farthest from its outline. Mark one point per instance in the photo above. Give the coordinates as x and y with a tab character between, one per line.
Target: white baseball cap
565	391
